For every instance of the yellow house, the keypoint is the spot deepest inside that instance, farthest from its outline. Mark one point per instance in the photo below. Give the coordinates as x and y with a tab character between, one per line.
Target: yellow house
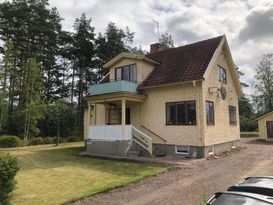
265	123
181	101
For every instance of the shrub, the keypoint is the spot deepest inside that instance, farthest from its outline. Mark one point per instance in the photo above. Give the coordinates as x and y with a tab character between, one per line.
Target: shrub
9	141
248	124
36	141
73	139
8	169
49	140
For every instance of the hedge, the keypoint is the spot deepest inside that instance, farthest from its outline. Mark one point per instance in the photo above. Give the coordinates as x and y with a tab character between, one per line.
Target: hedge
8	169
9	141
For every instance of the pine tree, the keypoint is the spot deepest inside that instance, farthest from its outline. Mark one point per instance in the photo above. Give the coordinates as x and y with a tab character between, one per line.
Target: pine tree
113	42
166	41
33	107
83	50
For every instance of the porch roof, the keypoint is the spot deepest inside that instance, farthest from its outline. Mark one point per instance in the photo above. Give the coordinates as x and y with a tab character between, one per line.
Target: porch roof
115	96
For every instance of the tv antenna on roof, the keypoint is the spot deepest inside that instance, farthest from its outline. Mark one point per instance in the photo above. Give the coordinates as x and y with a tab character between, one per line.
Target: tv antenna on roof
157	26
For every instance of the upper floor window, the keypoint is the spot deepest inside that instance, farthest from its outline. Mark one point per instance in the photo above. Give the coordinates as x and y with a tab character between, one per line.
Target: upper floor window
210	112
128	73
232	115
222	74
181	113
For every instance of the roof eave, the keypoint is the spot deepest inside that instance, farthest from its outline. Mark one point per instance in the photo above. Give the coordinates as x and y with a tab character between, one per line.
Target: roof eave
122	55
169	84
264	115
233	69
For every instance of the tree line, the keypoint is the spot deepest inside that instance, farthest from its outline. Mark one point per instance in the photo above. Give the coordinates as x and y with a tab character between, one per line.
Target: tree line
45	71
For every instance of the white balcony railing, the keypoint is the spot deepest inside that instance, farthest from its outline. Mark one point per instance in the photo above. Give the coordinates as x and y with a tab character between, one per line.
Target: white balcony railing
109	132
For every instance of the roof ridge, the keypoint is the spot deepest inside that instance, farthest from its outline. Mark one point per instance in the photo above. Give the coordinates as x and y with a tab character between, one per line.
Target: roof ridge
190	44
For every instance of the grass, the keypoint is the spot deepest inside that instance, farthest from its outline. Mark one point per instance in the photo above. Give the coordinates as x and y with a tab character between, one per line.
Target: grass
56	175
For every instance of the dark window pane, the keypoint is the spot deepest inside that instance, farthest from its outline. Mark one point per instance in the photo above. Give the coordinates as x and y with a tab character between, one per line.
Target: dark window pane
210	112
170	113
232	115
180	113
191	113
222	75
126	73
133	73
118	73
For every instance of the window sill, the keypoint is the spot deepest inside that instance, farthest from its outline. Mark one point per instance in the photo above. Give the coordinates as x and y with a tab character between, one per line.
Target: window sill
181	124
181	153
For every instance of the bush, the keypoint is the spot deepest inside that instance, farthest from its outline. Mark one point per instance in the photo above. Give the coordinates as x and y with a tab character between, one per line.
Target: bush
49	140
9	141
8	169
36	141
248	124
73	139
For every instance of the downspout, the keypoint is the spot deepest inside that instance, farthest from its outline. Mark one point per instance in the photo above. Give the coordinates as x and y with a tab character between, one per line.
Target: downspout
200	114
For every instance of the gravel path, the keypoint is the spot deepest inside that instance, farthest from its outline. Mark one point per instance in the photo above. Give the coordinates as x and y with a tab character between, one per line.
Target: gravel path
190	183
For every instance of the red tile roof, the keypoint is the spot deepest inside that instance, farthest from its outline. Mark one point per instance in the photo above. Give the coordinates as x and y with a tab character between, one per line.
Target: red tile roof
181	64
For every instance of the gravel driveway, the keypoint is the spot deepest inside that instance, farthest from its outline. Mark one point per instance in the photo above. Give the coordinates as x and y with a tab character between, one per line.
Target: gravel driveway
195	180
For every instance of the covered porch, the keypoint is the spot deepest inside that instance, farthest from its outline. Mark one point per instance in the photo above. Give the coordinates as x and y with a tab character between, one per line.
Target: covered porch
112	124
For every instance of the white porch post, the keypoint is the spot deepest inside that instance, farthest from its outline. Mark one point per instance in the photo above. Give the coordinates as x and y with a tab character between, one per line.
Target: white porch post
123	117
95	114
89	117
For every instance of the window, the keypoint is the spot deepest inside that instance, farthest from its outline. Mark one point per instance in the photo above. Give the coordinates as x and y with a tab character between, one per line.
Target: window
128	73
181	149
232	115
210	112
181	113
222	74
118	74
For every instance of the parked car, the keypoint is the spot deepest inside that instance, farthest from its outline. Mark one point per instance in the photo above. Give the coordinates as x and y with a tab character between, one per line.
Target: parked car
259	185
239	198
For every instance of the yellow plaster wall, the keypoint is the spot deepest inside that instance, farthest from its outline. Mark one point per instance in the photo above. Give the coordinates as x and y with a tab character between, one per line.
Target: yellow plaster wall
222	131
262	125
153	115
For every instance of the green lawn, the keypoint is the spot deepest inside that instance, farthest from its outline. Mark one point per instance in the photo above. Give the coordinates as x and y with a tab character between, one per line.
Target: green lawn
55	175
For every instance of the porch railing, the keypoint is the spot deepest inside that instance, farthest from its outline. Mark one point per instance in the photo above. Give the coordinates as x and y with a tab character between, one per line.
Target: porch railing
109	132
114	132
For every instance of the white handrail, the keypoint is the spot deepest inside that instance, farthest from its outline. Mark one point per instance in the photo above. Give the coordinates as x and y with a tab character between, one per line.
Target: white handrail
146	138
103	77
141	133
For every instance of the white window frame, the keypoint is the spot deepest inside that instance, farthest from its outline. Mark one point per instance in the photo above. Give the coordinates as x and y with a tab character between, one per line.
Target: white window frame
177	152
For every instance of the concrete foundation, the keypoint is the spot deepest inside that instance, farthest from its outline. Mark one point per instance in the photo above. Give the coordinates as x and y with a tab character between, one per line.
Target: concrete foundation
114	148
195	152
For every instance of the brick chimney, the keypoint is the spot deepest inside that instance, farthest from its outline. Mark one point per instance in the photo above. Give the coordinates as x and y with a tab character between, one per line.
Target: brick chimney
155	47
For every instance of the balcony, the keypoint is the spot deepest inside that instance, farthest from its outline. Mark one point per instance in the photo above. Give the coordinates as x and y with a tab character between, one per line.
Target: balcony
113	87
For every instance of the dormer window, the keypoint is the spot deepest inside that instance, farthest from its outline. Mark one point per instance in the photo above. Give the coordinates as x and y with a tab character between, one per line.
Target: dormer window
222	74
127	72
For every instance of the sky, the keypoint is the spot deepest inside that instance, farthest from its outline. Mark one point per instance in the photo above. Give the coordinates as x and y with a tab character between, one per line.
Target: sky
248	25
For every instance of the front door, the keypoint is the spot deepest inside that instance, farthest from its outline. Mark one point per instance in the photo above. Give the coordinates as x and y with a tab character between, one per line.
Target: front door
128	116
269	127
